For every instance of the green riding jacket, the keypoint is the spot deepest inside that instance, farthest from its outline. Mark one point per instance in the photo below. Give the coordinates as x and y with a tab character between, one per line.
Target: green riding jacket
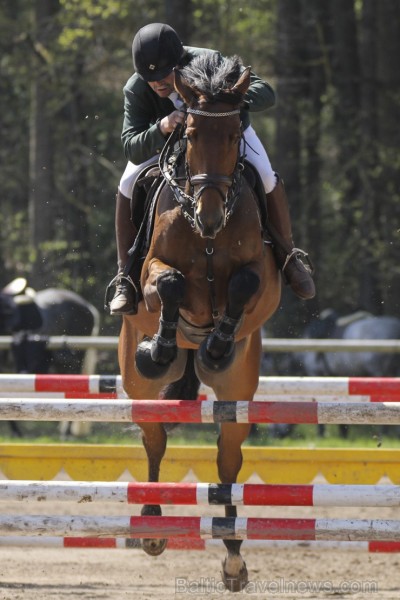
143	109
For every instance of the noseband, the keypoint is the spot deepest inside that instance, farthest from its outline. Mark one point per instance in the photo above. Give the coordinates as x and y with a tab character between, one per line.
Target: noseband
188	202
209	181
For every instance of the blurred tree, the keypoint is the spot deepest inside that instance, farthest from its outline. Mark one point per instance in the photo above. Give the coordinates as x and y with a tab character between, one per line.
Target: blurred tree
333	135
370	294
41	150
388	192
178	14
290	65
317	72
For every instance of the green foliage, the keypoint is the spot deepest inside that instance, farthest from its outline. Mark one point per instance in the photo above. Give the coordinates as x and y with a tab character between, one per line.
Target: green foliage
304	436
237	27
80	55
87	20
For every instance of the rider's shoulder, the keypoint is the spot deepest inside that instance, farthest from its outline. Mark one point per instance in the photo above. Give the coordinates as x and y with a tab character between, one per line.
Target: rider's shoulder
136	84
190	52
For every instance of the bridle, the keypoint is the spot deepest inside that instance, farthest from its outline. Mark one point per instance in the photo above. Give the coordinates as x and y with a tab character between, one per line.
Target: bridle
188	202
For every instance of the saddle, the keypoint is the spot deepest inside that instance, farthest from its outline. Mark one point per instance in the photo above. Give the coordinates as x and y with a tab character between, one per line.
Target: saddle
143	191
144	198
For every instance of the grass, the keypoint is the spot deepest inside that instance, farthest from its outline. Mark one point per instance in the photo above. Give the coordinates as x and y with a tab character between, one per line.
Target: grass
261	435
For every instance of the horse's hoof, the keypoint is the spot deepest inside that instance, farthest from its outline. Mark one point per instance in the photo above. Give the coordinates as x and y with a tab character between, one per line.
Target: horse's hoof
235	583
145	365
211	364
153	547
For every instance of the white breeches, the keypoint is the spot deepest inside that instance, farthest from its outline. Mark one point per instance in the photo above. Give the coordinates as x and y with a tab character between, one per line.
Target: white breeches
130	175
258	157
255	154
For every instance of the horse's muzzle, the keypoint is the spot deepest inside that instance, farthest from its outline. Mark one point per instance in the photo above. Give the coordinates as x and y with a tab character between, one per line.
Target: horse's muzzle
207	227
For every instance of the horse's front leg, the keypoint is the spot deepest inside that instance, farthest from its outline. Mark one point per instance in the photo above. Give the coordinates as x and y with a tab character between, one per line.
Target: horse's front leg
164	292
155	442
217	351
171	289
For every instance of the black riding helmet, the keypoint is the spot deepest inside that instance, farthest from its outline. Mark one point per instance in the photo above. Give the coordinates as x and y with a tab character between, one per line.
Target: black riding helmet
156	50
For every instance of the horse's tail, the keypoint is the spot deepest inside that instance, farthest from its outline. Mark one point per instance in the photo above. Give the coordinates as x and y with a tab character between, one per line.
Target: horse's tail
187	387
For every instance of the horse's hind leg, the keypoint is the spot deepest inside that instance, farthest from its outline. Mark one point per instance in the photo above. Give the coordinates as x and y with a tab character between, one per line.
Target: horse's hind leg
229	461
239	383
154	440
153	434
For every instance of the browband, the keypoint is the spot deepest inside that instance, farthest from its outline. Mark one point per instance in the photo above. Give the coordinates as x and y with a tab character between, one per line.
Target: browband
205	113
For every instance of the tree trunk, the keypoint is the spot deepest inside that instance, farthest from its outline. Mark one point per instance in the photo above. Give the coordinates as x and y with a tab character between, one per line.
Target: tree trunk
289	69
369	294
389	143
346	77
178	14
314	32
40	145
291	90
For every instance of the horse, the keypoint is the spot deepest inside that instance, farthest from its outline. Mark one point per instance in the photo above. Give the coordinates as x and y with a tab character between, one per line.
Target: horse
209	282
31	317
359	325
356	326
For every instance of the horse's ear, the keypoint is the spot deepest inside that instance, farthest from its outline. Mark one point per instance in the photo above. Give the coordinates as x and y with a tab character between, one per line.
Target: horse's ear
242	84
183	89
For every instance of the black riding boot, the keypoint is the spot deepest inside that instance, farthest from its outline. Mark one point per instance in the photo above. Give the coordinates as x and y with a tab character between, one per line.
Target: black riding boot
288	257
125	298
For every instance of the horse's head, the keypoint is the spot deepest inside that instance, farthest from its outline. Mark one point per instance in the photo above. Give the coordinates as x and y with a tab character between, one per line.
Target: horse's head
213	90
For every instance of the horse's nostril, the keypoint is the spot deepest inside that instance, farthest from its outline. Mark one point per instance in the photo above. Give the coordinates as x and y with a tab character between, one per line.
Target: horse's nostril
210	228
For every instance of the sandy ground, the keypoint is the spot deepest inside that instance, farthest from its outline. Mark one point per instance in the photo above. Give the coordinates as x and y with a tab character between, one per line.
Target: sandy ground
61	573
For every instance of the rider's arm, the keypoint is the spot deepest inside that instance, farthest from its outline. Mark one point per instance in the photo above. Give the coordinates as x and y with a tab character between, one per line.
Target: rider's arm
141	135
260	94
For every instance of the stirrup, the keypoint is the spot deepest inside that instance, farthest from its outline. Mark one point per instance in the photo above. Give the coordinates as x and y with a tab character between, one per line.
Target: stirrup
302	256
110	290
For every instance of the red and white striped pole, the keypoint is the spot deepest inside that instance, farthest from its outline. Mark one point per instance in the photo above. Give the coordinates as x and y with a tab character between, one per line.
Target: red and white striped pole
195	544
368	389
232	528
196	411
239	494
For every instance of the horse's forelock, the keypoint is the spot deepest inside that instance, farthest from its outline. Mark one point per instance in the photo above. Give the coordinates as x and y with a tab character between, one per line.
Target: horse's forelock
213	77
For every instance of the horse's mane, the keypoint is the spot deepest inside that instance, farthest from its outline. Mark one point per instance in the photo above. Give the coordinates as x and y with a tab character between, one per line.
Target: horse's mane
213	76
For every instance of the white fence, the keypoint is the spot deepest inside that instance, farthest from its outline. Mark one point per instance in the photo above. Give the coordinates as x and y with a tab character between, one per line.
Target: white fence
269	345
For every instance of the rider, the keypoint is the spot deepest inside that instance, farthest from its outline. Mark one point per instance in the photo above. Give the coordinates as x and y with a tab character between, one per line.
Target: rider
152	110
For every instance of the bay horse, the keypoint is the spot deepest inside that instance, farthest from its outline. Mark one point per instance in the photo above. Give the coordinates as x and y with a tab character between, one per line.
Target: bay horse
209	282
